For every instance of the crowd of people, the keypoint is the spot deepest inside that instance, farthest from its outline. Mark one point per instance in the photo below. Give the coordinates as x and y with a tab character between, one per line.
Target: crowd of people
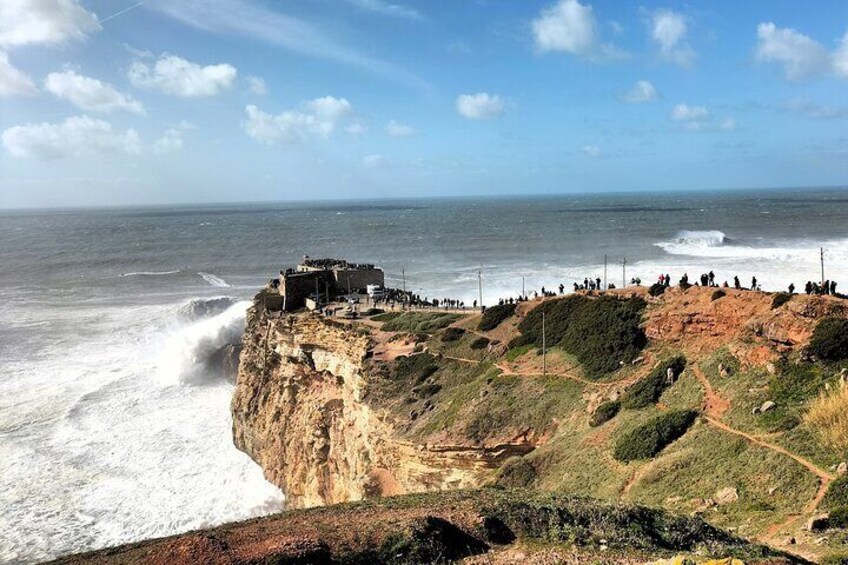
827	287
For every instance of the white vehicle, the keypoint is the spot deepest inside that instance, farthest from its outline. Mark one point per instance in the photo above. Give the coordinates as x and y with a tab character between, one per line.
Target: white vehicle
375	291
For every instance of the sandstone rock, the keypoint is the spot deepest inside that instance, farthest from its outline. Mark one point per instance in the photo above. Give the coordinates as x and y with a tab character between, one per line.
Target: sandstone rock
767	405
818	523
842	468
755	410
771	368
727	495
772	490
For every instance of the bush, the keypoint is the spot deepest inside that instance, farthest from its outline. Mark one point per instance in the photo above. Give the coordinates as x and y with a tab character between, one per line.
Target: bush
654	435
415	368
835	559
418	322
452	334
838	517
516	472
780	299
480	343
718	294
601	333
827	415
647	391
494	315
604	413
830	340
837	494
656	289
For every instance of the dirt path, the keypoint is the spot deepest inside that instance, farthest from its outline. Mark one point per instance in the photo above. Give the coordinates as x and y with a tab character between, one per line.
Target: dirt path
715	406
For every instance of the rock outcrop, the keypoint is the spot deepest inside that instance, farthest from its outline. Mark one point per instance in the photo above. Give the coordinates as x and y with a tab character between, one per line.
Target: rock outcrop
300	411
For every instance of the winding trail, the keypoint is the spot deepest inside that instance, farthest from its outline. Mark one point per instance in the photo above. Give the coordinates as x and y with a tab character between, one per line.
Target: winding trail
715	406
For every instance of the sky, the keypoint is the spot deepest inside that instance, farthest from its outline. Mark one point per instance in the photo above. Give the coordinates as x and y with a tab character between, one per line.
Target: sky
121	102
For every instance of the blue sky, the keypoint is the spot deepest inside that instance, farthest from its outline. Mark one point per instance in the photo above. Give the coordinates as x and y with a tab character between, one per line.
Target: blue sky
107	102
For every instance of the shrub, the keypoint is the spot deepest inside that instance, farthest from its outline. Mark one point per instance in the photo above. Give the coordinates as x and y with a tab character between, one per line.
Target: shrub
835	559
830	340
480	343
648	390
780	299
418	322
838	517
494	315
827	415
415	368
837	494
718	294
516	472
604	413
601	333
452	334
654	435
656	289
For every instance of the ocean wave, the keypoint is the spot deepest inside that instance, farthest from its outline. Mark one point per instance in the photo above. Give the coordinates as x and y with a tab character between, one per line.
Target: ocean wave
149	273
190	351
204	307
214	280
694	240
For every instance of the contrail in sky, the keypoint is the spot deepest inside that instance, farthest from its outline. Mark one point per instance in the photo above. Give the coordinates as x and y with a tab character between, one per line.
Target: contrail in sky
124	11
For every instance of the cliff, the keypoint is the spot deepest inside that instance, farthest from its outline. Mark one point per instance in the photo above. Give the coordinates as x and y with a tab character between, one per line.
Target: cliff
301	409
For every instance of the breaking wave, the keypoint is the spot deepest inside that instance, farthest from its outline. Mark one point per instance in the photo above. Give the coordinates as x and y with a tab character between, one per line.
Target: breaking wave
205	307
191	350
149	273
694	241
214	280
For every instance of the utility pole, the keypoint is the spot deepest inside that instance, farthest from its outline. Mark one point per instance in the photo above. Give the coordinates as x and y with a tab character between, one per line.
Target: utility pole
480	287
606	287
544	348
821	253
317	294
624	273
403	274
523	294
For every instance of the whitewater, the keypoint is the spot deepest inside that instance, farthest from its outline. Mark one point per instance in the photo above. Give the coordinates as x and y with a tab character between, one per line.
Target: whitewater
114	424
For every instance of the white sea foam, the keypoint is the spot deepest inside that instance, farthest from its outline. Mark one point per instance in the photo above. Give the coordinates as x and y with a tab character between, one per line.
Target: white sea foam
214	280
149	273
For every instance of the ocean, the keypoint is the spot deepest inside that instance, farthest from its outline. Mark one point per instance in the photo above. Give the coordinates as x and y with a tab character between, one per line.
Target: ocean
112	428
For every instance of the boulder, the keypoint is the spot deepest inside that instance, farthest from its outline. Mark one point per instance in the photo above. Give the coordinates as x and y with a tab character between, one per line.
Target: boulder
818	523
842	468
726	495
767	405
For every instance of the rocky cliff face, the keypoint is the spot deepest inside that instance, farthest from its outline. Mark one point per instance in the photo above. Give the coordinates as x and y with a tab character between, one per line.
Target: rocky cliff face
300	411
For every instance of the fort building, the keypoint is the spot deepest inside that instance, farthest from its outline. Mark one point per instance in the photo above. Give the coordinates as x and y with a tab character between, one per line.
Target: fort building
323	279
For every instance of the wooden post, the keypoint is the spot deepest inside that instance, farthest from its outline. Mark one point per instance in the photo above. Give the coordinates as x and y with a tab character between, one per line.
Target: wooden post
544	348
480	287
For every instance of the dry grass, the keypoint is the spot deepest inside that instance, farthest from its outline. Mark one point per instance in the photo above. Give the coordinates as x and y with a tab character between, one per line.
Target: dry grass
828	416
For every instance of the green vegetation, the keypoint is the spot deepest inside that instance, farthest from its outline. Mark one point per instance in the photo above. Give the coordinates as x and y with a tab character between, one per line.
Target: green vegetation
417	322
789	389
648	390
837	494
516	472
840	558
830	340
604	413
656	289
654	435
838	517
494	315
415	368
452	334
386	316
718	294
517	352
780	299
601	333
480	343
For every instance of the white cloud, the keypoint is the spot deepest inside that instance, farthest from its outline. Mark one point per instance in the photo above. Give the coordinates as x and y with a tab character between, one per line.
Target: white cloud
641	92
668	30
356	128
815	111
569	26
251	20
74	137
89	94
318	117
729	124
178	77
387	9
799	55
14	82
373	161
170	142
397	129
840	57
592	151
479	106
257	86
29	22
686	113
